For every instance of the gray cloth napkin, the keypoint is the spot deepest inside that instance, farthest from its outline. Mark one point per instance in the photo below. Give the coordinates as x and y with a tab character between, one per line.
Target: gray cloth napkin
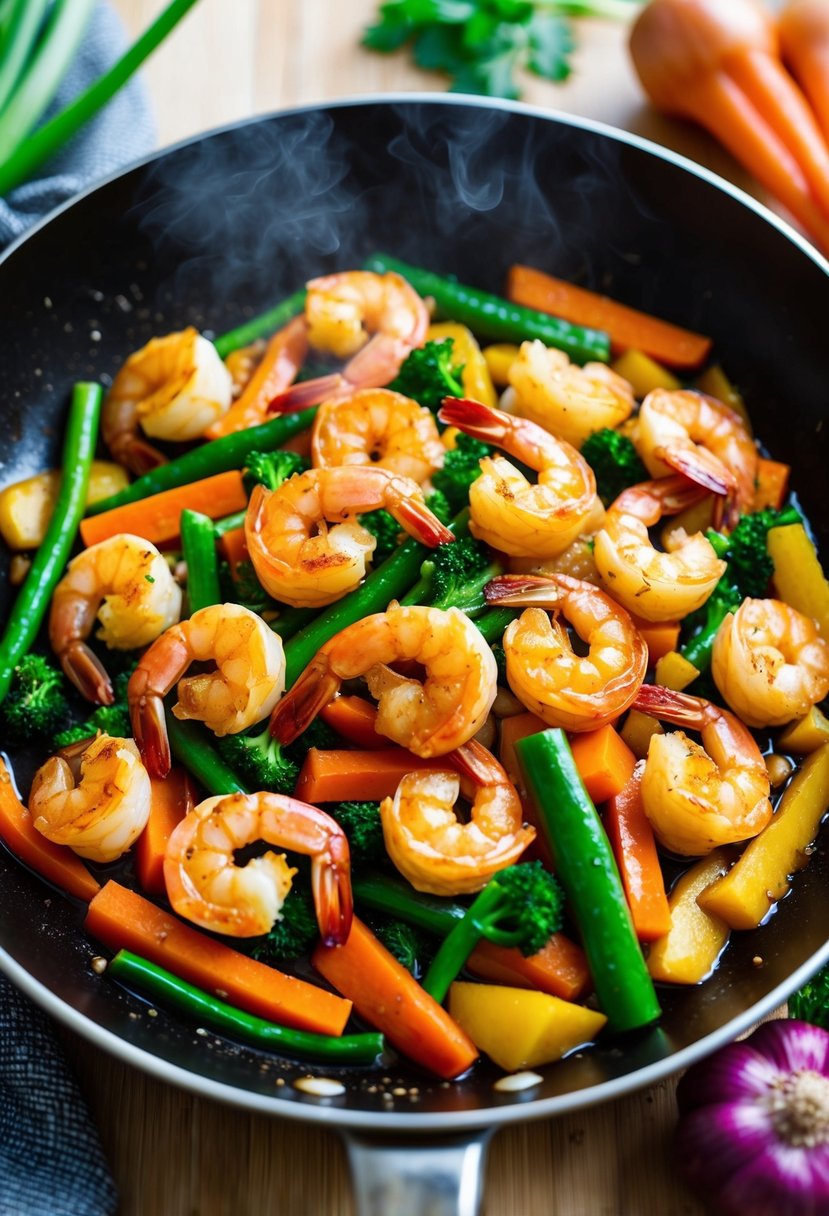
51	1161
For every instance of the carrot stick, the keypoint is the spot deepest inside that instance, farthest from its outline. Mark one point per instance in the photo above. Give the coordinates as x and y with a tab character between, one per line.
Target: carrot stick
511	729
559	968
172	797
364	776
772	483
157	518
388	997
631	838
234	548
628	328
604	760
54	862
354	718
124	920
660	637
803	26
275	373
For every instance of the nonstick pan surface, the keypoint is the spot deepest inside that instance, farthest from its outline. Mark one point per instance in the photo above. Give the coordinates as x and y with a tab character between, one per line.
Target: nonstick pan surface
219	228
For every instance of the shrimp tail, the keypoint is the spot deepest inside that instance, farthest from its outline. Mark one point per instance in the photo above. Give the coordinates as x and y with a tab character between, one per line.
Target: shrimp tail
87	673
701	467
134	453
312	692
474	418
331	887
521	590
307	393
150	731
421	523
472	760
677	707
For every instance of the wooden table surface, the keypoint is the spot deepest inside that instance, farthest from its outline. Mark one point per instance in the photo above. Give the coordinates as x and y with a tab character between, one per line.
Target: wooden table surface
176	1155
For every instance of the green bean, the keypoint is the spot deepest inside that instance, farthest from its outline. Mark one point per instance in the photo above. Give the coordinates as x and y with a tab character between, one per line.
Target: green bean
198	547
265	323
136	972
47	567
229	523
190	746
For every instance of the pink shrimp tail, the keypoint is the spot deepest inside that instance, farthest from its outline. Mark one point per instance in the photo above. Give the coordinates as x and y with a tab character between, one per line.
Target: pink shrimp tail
315	687
87	673
331	887
135	454
701	467
307	393
149	729
474	761
677	707
419	522
474	418
520	589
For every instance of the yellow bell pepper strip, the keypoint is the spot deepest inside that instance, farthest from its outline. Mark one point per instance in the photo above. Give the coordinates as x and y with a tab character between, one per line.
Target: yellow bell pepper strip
638	731
761	876
798	577
715	383
674	671
519	1028
643	373
695	940
500	357
27	506
587	870
806	734
477	382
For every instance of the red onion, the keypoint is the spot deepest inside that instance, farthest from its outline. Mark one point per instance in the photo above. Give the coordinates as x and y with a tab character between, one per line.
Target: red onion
753	1134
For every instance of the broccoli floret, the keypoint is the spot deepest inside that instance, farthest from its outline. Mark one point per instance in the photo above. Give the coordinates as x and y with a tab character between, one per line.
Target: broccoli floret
293	934
386	531
614	461
749	570
811	1002
259	761
270	469
411	948
362	825
461	466
438	504
111	720
455	576
317	734
36	703
520	907
428	374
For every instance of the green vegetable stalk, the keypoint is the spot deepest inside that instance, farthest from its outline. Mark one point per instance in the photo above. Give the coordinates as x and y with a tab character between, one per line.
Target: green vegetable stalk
191	747
198	546
258	327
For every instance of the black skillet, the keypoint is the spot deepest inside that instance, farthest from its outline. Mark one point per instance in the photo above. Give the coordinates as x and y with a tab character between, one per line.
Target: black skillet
221	227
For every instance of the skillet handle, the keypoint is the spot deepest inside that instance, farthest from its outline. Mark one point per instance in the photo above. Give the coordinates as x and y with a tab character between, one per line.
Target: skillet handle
417	1176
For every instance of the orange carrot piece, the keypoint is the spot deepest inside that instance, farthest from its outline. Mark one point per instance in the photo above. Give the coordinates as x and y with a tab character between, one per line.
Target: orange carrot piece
604	760
157	518
234	548
354	718
341	775
54	862
124	920
275	373
803	26
511	729
388	997
660	637
628	328
172	797
631	838
772	484
559	968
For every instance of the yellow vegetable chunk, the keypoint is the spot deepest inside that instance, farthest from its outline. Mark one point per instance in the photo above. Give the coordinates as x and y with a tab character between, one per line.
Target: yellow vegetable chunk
520	1028
692	945
798	576
643	373
693	519
26	507
675	672
638	730
499	359
715	383
761	876
806	734
477	382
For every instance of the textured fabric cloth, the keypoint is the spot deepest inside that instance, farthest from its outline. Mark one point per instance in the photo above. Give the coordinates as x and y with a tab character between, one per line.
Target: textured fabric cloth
51	1161
121	132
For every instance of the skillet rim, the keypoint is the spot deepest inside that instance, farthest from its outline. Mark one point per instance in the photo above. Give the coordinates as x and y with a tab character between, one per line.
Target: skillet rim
523	1109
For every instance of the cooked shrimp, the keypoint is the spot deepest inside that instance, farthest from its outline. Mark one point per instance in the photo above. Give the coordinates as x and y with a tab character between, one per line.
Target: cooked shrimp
302	561
769	663
697	798
376	426
696	435
207	886
432	847
651	584
507	511
564	689
430	717
371	320
569	401
276	370
93	797
126	583
173	388
247	683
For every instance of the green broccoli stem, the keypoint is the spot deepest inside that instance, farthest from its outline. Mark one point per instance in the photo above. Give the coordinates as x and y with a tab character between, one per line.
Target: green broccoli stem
493	317
258	327
191	748
389	895
493	623
139	973
698	651
198	545
483	913
48	564
470	598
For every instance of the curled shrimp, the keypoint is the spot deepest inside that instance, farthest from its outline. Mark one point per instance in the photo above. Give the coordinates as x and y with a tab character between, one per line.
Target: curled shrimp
696	435
172	388
126	583
206	885
371	320
430	717
507	511
302	561
247	682
769	663
698	798
93	797
565	689
432	847
569	401
377	427
649	583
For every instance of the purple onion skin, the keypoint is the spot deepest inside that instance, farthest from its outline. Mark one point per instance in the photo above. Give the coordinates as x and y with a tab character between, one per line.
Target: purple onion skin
728	1147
